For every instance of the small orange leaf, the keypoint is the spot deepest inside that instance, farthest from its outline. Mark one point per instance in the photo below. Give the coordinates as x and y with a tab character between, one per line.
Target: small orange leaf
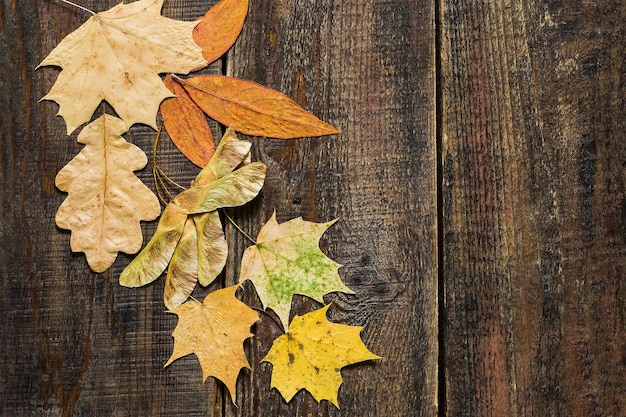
253	109
220	28
187	125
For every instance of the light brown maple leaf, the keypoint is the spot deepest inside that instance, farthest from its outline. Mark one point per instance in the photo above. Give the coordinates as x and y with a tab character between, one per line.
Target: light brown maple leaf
215	331
105	201
311	354
117	56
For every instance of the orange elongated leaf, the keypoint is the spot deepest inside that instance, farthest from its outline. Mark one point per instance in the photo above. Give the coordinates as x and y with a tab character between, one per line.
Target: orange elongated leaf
253	109
220	27
117	56
215	331
105	201
311	354
186	125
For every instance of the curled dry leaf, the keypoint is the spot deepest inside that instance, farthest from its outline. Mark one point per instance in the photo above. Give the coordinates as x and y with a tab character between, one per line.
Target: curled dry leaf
253	109
189	236
105	201
186	125
311	354
287	260
117	56
220	27
215	331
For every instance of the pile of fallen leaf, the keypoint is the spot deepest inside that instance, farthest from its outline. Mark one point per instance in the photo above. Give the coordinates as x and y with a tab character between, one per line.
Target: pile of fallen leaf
118	56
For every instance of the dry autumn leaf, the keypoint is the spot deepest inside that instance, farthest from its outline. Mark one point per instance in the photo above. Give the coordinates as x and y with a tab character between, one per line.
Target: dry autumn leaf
117	56
220	27
189	236
253	109
186	125
287	260
215	331
105	201
311	354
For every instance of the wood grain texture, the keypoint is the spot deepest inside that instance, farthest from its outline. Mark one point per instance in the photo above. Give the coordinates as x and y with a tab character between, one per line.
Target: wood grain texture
366	67
78	344
534	241
75	343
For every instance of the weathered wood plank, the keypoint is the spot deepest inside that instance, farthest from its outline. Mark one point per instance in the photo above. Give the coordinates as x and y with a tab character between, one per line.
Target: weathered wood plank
534	150
76	343
367	67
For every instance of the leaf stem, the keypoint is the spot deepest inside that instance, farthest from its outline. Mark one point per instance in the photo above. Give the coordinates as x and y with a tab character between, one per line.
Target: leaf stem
239	228
78	6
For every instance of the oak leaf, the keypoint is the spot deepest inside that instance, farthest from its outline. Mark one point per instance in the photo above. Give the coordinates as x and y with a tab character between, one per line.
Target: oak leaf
215	331
253	109
105	201
287	260
311	354
186	125
117	56
220	27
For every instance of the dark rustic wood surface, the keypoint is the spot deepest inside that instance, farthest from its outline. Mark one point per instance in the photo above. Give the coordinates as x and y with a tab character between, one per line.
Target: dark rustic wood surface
522	103
534	242
78	344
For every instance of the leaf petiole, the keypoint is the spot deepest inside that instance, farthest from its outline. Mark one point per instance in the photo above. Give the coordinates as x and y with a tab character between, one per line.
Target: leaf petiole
239	228
78	6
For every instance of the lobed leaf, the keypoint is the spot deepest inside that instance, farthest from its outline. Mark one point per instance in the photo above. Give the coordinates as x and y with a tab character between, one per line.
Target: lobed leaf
105	201
215	331
286	260
117	56
311	354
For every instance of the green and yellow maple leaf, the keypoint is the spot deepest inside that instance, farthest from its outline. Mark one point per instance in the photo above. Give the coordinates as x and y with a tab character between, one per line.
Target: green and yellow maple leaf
287	260
311	354
215	331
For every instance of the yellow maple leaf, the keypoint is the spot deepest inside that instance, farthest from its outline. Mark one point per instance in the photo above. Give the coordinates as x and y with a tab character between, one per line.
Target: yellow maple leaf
311	354
215	331
105	201
117	56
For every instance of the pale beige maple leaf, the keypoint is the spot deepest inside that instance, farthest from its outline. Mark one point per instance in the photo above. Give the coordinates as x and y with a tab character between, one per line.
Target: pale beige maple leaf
105	201
117	56
215	331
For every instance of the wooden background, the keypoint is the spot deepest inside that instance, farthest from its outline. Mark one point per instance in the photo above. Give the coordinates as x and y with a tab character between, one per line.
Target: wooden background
480	181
